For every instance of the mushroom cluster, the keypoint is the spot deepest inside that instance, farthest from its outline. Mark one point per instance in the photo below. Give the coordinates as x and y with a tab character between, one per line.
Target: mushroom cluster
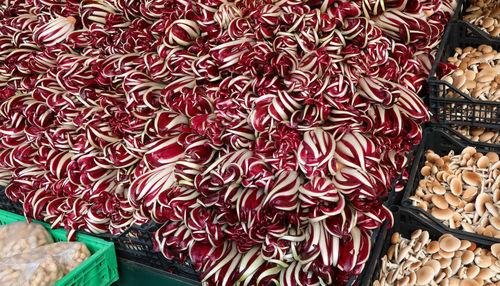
478	73
446	261
462	190
479	134
485	14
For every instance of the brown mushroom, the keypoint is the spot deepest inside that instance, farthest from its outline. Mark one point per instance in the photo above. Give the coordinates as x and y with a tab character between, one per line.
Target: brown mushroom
495	250
483	162
471	178
439	201
450	244
483	261
472	271
441	214
456	186
480	203
425	275
493	157
467	257
433	247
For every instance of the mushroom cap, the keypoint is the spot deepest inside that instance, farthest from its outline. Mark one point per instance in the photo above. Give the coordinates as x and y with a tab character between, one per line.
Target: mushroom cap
395	238
447	256
452	199
495	222
456	186
425	171
459	81
413	278
432	157
456	263
469	194
483	162
434	264
480	203
416	234
485	274
439	201
486	136
471	178
439	189
445	261
425	275
469	207
493	157
464	244
424	237
472	271
450	244
433	247
403	253
495	250
467	257
483	261
469	150
441	214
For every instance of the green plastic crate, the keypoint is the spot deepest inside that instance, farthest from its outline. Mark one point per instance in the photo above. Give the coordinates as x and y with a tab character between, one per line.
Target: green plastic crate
100	269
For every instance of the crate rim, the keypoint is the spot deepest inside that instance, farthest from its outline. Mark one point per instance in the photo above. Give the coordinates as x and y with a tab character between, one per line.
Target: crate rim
414	177
373	262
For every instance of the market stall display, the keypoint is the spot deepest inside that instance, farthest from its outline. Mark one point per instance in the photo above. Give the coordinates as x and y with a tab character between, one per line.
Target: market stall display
479	134
88	262
262	136
253	142
462	190
484	14
419	260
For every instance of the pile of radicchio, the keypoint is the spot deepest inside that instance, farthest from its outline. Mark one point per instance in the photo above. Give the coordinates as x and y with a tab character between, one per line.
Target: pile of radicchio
261	135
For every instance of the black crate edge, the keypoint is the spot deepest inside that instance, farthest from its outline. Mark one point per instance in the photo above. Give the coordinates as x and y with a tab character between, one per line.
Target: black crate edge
462	5
463	110
439	141
405	222
490	147
135	244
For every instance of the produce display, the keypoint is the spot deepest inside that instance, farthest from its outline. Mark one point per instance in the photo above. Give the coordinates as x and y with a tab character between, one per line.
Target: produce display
419	260
462	190
68	255
21	237
485	14
30	269
478	73
479	134
28	256
262	135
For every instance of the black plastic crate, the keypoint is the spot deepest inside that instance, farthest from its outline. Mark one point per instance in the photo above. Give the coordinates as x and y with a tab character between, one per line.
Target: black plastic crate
405	222
460	12
135	244
8	205
441	143
448	104
464	140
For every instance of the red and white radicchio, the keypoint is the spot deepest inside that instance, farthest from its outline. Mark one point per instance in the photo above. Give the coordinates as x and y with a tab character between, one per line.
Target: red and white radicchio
261	135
